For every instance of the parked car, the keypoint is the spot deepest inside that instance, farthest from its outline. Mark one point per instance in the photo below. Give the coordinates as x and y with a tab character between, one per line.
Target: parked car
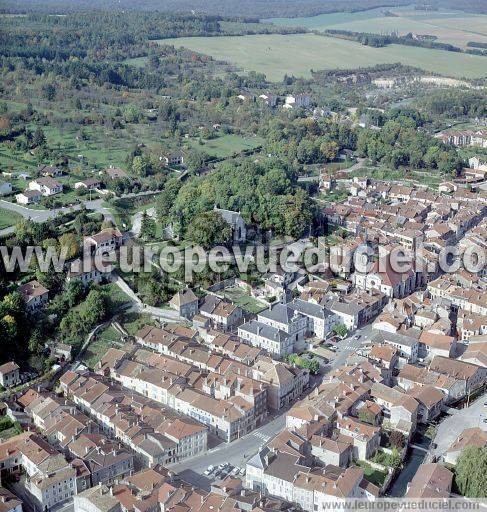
209	470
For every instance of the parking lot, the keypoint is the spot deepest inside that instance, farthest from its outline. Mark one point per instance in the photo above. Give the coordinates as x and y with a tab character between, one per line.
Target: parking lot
223	471
453	425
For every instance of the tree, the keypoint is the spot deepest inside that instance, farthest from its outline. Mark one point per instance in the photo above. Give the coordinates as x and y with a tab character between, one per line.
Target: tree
75	292
131	114
196	160
94	308
329	149
309	363
147	227
340	330
71	244
470	472
209	229
141	165
38	139
49	92
154	287
397	439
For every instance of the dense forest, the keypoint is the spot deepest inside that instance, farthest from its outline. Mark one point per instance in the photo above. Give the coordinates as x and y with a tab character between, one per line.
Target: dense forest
255	8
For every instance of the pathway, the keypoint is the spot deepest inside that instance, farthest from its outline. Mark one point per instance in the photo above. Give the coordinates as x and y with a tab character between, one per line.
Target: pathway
139	307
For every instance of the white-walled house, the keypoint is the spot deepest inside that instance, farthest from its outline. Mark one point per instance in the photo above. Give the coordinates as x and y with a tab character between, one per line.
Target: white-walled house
47	186
28	197
9	374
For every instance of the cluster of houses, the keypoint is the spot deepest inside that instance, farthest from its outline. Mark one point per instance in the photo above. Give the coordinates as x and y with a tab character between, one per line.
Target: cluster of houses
147	405
159	489
288	102
225	385
363	412
464	138
155	400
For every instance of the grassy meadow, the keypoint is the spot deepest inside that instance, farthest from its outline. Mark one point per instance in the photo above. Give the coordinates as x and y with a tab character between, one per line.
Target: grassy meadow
454	27
225	145
297	54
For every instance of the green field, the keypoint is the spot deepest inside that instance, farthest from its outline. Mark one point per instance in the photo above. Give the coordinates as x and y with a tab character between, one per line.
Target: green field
226	145
297	54
8	218
454	27
108	337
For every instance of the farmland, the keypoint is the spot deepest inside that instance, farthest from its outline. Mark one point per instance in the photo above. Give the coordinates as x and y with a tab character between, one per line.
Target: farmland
297	54
454	27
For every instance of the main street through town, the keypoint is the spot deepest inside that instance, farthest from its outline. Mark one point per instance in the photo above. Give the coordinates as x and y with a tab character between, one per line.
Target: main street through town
241	450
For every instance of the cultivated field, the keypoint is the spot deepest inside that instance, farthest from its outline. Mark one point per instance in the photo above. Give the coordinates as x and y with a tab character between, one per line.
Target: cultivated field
454	27
297	54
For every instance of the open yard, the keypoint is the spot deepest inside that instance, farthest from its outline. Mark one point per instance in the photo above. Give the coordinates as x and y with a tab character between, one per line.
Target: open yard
374	476
298	54
241	298
226	145
454	27
107	338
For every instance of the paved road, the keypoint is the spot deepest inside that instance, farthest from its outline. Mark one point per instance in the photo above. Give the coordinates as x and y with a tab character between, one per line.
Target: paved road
37	215
45	215
237	453
454	424
349	345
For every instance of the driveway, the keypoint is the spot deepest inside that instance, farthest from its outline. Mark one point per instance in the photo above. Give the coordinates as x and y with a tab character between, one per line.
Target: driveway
36	215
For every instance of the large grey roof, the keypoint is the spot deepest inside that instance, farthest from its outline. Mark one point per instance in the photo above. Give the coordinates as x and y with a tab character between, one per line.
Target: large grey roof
310	309
229	216
264	330
281	313
394	337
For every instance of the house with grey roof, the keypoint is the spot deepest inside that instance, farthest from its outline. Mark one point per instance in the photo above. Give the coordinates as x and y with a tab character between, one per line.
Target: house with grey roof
320	319
347	312
185	303
275	341
406	345
97	499
236	222
287	319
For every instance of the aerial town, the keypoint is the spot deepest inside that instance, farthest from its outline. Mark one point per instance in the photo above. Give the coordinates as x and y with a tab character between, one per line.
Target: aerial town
238	286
